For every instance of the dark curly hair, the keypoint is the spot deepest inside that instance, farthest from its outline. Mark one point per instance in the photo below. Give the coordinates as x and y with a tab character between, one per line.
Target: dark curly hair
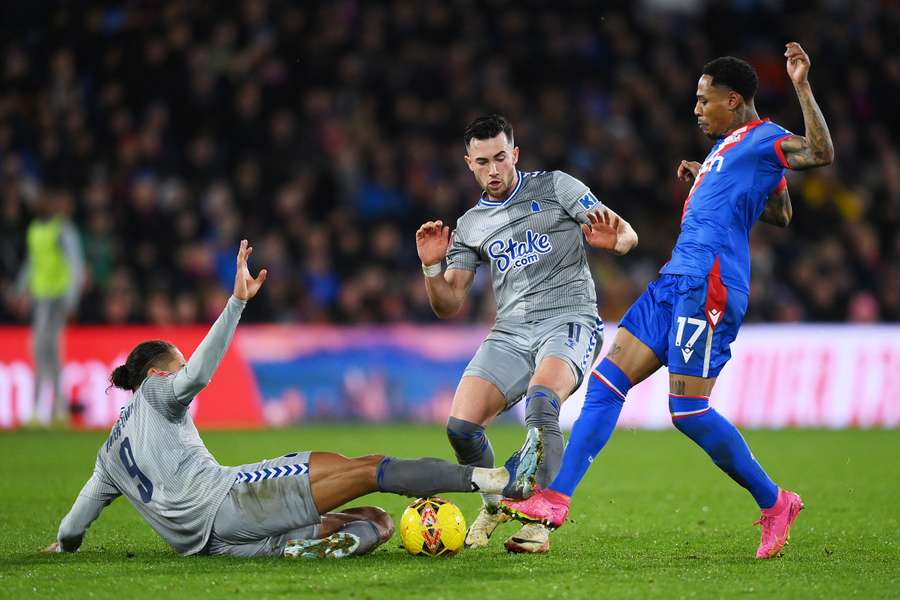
486	127
734	73
152	353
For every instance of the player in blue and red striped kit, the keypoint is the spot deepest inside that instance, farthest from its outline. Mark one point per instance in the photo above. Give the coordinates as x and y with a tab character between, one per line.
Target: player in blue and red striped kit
689	316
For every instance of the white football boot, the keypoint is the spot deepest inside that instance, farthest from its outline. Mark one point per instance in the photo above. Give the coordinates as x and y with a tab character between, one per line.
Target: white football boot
532	538
480	531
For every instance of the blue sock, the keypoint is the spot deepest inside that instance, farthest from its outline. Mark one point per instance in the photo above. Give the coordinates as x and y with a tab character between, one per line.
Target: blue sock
602	404
720	439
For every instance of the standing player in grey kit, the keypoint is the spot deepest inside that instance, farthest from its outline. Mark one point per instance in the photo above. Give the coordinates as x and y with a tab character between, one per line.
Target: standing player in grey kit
280	507
528	227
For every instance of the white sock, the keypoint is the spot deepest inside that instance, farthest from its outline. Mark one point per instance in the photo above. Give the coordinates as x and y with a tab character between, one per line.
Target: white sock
490	482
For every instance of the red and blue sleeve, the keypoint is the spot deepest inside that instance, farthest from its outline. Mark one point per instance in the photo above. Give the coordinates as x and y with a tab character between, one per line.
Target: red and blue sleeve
768	144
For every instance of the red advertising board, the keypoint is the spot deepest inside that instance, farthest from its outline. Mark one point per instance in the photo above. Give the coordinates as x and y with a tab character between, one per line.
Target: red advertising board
91	353
779	376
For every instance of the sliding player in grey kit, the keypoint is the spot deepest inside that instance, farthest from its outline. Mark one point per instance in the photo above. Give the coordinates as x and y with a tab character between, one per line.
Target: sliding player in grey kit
528	227
280	507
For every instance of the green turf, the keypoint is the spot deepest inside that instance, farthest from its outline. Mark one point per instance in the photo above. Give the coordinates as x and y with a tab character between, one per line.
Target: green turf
653	519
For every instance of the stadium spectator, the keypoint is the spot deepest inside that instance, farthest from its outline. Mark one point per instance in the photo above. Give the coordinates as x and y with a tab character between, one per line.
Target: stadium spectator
330	131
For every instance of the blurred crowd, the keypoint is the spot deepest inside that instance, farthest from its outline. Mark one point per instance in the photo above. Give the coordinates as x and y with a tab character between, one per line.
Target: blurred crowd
327	132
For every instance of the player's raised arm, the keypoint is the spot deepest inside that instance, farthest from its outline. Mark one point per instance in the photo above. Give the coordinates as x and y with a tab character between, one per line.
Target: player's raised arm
446	291
815	149
609	231
198	371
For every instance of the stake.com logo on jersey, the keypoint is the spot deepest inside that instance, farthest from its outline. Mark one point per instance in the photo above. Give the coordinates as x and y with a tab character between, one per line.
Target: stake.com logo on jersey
513	253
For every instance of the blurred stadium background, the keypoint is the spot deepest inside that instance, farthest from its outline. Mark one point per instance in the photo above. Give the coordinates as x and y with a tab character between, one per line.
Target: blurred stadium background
327	132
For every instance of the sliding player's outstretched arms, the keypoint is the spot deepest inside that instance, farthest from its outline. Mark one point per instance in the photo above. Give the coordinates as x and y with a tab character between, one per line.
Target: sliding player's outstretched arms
446	291
815	149
199	370
609	231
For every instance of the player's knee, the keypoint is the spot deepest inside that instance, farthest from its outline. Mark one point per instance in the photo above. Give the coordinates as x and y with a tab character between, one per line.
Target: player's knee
383	522
369	460
606	383
467	440
555	374
686	410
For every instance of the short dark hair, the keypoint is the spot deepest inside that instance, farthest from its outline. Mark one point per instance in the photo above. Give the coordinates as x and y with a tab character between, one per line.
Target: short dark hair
734	73
152	353
486	127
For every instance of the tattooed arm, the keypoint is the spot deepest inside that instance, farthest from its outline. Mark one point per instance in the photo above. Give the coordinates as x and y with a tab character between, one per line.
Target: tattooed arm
778	209
815	148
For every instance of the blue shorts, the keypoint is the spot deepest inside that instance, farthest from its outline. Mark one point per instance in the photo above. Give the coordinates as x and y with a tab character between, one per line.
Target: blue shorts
689	322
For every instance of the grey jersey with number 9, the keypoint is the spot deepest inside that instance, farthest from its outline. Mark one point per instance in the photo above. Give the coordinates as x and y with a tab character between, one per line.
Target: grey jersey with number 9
155	457
535	247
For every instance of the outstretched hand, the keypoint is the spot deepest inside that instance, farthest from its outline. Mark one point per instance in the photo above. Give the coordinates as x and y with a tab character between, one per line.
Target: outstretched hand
603	231
432	241
245	286
797	62
52	549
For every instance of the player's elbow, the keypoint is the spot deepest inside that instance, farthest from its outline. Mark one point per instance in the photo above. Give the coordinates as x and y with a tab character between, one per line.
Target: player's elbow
446	311
786	217
825	156
449	303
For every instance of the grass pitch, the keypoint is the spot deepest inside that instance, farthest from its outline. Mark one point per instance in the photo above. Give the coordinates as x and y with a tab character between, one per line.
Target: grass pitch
653	519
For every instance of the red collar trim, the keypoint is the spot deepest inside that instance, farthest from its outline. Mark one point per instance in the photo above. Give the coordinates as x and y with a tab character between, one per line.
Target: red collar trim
749	126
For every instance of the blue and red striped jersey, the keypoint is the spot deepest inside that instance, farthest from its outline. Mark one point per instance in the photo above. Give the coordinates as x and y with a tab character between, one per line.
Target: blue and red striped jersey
728	196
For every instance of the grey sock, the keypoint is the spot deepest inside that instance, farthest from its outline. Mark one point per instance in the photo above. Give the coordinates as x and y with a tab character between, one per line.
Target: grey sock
471	445
542	411
423	476
367	533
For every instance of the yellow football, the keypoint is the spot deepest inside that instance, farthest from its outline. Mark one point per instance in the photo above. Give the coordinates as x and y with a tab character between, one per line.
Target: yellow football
432	527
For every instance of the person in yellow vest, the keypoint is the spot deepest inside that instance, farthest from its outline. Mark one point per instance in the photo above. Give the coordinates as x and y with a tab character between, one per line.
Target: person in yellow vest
52	275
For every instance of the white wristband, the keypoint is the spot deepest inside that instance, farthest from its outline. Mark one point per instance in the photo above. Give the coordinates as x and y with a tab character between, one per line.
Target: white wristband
431	270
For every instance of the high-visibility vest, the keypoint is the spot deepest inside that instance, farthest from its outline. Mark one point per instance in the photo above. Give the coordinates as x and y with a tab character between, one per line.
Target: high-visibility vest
49	269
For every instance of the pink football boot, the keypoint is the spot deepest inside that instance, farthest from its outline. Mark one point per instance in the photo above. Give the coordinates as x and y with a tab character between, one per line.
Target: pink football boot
776	523
544	506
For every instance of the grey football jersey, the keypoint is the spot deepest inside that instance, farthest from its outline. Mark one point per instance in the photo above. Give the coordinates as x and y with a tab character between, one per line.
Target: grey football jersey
155	457
534	244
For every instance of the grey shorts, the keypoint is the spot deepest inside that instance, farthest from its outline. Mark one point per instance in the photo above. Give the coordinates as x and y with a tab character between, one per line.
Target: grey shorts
269	504
510	354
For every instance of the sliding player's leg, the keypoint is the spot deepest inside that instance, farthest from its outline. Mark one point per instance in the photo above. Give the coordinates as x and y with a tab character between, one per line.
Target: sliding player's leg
336	479
333	522
354	531
270	505
273	504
